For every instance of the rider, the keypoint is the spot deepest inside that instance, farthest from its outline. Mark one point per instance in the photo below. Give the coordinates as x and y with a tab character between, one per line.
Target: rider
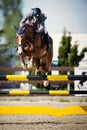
37	18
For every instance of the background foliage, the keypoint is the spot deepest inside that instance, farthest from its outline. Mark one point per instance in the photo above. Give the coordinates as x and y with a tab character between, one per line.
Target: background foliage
68	54
11	13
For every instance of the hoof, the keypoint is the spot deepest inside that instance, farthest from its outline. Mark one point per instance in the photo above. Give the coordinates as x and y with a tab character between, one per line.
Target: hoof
38	73
29	66
24	67
45	83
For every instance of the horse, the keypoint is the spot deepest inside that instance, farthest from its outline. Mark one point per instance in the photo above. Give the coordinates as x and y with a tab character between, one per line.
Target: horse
31	44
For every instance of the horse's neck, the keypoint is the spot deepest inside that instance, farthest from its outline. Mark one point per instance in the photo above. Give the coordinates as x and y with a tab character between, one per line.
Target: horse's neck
37	41
29	31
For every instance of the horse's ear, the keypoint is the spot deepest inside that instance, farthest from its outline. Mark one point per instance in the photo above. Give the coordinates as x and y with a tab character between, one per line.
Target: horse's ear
16	28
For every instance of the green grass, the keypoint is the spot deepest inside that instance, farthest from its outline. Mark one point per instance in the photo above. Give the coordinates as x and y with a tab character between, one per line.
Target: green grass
64	100
81	100
86	100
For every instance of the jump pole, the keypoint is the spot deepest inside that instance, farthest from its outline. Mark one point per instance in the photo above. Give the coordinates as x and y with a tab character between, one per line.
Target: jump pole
50	92
43	77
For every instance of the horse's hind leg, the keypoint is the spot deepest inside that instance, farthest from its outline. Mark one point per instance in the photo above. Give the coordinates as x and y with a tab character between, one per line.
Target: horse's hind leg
37	62
37	72
46	62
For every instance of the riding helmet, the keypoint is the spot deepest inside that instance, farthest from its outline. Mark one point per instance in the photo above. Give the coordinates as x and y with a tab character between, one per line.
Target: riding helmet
37	12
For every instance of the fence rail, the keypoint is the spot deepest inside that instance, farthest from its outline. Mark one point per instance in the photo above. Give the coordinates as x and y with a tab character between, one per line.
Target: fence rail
8	69
43	77
14	69
32	92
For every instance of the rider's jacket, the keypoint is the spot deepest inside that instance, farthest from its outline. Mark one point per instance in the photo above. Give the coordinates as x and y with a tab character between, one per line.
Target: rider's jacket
39	23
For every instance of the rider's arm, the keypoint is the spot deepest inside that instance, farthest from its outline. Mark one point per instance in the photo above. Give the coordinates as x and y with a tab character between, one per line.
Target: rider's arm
41	23
24	19
40	28
28	17
43	17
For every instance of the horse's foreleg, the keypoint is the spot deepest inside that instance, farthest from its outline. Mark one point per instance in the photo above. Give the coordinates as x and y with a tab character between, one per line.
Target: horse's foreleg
30	64
22	62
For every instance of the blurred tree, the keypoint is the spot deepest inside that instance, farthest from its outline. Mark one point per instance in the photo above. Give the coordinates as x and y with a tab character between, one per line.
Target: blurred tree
11	10
68	54
64	49
72	58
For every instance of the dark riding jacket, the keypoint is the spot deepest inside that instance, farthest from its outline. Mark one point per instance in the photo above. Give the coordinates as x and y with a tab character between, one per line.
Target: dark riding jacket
40	24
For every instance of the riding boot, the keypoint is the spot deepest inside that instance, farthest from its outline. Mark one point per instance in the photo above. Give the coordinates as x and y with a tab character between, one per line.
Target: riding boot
47	40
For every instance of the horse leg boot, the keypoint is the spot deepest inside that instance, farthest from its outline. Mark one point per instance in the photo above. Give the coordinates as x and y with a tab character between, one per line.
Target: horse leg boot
47	40
30	65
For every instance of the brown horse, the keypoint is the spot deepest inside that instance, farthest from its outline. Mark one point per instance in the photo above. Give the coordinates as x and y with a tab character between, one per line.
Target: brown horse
32	45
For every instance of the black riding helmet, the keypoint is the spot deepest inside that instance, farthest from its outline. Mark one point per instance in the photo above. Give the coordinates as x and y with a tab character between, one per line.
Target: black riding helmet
37	12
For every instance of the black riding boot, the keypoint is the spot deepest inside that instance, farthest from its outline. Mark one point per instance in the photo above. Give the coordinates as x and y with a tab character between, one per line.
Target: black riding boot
47	40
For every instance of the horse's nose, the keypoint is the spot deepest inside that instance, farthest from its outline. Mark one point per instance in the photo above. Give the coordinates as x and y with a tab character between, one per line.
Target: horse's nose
19	50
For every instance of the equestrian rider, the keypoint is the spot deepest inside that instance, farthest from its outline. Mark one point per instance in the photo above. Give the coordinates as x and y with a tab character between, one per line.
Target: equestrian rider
37	18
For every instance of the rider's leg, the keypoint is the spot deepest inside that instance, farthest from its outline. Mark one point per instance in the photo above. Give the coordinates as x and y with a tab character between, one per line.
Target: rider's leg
47	40
42	28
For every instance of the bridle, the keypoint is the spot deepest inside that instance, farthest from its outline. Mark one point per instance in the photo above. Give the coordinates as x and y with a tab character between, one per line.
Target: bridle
21	48
28	43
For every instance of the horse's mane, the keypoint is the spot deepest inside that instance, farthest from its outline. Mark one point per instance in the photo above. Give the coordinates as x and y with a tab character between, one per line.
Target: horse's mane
28	25
21	30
